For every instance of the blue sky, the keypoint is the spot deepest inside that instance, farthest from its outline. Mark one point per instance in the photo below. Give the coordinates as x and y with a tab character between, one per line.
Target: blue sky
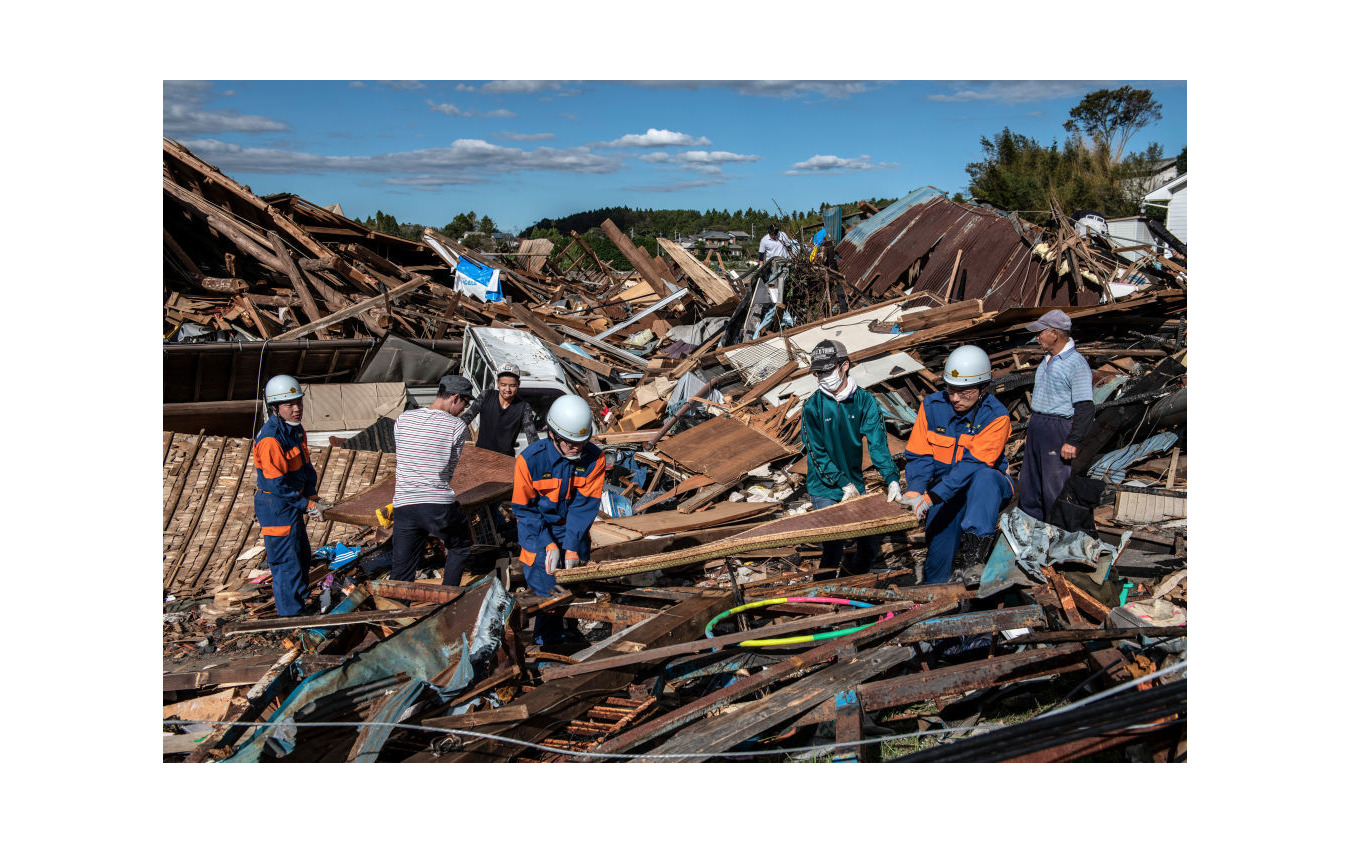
522	150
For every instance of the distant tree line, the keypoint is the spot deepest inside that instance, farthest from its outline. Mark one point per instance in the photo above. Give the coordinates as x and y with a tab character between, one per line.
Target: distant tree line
1018	173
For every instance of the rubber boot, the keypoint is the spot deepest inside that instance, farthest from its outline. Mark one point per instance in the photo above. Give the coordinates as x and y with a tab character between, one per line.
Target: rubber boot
971	556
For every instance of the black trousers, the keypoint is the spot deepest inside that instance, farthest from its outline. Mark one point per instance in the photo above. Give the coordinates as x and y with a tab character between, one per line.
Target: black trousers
414	522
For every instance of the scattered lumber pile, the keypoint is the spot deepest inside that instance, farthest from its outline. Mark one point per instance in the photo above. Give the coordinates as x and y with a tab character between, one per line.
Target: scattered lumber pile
705	509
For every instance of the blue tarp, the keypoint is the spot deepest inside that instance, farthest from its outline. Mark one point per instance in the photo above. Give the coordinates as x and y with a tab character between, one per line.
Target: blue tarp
479	281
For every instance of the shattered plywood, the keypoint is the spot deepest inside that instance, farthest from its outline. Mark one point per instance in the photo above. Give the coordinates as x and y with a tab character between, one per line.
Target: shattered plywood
723	448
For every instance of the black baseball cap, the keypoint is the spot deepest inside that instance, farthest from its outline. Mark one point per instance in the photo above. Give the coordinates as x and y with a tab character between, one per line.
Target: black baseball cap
827	355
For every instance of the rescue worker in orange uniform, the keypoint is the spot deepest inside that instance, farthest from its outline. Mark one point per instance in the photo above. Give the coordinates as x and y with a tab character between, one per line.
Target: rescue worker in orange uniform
286	493
558	485
955	472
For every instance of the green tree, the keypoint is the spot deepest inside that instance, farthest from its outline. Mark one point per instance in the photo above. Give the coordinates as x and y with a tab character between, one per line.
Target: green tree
1181	162
1111	117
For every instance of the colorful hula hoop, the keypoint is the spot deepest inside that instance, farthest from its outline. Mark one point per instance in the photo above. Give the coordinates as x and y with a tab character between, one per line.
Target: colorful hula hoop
794	640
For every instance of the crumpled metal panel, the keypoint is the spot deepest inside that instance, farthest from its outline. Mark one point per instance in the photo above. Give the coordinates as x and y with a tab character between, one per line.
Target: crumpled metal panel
424	651
997	265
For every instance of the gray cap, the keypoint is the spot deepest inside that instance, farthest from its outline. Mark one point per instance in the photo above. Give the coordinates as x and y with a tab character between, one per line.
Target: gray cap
1052	319
458	385
827	355
509	369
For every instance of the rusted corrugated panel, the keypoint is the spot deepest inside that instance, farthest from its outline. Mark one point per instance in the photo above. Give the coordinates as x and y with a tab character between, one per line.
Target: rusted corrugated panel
996	265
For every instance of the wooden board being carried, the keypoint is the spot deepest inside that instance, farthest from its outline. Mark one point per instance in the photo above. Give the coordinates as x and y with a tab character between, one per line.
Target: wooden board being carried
864	516
481	476
674	521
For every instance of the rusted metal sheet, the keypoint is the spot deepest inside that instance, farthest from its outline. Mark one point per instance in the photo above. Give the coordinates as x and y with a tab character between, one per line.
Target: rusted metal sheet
997	264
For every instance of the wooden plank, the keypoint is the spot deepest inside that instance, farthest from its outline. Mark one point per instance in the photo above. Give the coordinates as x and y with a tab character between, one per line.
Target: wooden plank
334	620
723	448
714	735
713	287
581	360
716	643
353	310
863	516
177	491
641	261
297	279
535	324
557	702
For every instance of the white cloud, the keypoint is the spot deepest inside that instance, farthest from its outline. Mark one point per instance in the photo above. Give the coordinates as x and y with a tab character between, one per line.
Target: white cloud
455	111
698	160
657	138
518	136
402	84
835	89
677	186
527	86
462	87
699	156
1014	91
464	161
186	115
826	163
356	83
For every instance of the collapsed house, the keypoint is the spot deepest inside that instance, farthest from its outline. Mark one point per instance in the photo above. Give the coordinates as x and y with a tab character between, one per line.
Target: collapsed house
698	385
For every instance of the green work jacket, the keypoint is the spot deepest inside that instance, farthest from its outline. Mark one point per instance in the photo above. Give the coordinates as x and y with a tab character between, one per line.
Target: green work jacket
833	434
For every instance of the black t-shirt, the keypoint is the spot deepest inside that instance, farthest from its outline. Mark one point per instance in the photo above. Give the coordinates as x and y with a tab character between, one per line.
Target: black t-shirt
498	427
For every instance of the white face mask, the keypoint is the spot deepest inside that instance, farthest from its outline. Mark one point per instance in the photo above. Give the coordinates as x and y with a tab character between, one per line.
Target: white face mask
832	382
292	424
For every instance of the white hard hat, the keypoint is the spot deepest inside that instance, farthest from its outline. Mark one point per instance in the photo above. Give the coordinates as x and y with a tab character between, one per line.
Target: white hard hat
570	418
967	366
282	388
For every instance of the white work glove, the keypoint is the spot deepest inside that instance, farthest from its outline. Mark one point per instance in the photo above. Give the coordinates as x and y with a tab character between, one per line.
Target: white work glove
850	491
571	560
918	503
893	491
552	557
319	508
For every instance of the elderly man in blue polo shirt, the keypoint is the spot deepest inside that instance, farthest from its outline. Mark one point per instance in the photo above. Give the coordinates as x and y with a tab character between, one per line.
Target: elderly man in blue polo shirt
1061	415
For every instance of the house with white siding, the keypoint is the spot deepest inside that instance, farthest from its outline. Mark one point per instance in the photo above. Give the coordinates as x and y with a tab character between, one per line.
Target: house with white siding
1172	196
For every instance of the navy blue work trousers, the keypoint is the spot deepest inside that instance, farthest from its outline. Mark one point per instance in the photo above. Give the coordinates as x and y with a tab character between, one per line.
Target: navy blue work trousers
1044	472
288	559
974	510
413	523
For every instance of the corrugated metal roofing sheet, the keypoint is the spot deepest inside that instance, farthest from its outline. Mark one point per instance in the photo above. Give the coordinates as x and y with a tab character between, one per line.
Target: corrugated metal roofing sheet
927	229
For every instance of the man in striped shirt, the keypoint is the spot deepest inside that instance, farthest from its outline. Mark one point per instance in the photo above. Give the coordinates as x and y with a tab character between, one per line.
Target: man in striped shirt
429	441
1061	416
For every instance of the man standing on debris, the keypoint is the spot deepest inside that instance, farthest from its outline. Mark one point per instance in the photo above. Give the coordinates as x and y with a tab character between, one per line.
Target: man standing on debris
835	420
1061	416
772	245
429	441
956	474
558	485
503	414
285	493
